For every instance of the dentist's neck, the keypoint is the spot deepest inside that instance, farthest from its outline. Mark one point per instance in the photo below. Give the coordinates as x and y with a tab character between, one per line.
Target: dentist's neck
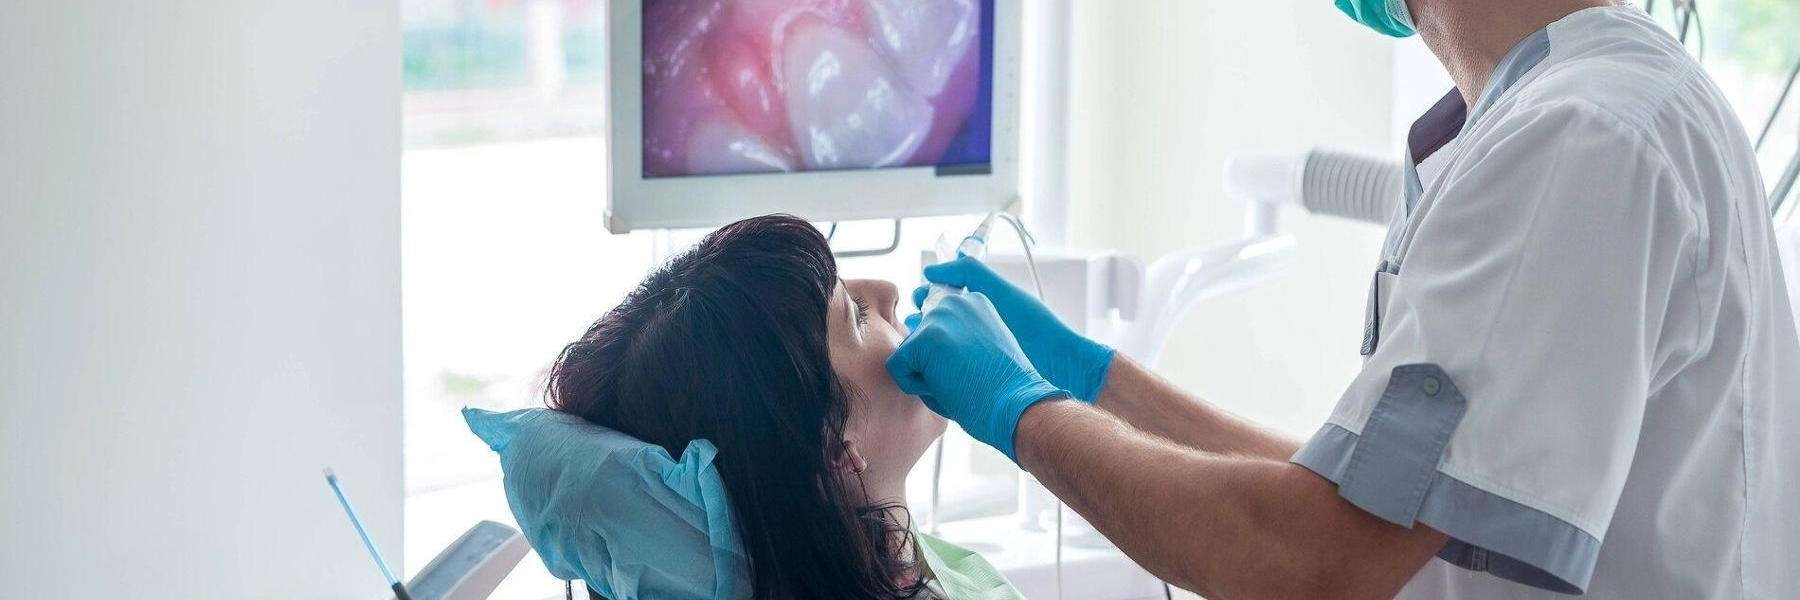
1471	36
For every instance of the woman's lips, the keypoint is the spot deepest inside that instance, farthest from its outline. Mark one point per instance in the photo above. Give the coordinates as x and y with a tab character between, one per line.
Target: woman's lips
779	85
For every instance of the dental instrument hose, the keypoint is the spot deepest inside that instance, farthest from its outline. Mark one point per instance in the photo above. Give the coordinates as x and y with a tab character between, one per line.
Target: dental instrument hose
975	246
1026	241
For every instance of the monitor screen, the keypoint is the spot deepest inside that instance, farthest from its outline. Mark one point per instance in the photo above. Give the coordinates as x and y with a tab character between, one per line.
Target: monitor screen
735	87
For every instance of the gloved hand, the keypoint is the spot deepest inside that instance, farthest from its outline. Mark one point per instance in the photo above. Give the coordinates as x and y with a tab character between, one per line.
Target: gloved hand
966	365
1069	360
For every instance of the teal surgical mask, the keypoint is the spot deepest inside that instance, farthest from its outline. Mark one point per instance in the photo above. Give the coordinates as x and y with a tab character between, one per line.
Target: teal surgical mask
1390	17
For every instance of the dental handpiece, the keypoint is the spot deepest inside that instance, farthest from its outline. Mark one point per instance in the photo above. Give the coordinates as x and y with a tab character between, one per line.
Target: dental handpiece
973	246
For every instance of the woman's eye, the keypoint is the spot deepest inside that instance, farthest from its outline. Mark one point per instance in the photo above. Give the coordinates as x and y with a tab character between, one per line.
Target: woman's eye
862	310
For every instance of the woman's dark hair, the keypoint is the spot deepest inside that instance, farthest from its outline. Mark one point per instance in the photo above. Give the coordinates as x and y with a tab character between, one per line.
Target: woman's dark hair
727	343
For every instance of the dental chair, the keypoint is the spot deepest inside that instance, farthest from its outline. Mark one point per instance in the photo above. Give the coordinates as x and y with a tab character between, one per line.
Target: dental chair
471	567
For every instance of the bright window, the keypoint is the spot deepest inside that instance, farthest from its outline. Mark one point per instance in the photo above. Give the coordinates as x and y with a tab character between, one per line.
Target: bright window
1749	48
500	178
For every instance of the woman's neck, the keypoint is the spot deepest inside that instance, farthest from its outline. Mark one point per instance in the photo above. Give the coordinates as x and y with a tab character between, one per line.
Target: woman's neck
881	486
904	545
886	492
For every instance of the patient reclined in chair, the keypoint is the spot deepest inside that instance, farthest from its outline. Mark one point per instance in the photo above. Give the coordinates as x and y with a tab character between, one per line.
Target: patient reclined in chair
729	431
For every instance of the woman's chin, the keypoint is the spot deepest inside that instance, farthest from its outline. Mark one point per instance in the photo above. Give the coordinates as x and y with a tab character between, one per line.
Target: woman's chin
932	425
928	431
939	425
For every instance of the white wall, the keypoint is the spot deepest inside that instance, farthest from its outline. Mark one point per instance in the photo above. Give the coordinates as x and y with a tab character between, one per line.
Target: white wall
1165	91
199	296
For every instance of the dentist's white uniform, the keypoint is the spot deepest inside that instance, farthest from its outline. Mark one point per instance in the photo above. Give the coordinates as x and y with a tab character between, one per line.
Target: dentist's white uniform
1581	363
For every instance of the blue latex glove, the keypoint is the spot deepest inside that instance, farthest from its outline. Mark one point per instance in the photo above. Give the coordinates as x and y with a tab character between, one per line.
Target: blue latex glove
1069	360
966	365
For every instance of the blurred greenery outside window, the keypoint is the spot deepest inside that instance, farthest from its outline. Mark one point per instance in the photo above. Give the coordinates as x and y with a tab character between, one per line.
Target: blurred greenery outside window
1751	48
1761	36
488	71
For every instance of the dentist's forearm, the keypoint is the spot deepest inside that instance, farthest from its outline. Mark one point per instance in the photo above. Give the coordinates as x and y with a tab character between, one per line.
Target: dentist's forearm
1152	404
1227	525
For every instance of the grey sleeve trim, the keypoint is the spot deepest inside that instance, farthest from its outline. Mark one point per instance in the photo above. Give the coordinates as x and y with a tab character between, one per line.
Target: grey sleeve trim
1488	532
1403	440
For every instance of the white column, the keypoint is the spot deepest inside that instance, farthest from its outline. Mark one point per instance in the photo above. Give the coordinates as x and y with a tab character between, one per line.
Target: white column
544	47
199	297
1045	111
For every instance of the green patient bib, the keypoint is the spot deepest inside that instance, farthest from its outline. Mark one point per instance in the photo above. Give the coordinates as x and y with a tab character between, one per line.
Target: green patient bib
961	574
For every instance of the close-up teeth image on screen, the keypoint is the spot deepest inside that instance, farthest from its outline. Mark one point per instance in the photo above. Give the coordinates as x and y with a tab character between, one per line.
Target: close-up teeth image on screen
751	86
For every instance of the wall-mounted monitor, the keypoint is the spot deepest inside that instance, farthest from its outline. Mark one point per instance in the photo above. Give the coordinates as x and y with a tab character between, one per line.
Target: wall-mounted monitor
827	109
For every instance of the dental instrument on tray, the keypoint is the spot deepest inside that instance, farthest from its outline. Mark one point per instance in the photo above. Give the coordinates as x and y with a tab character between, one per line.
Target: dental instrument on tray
394	582
470	568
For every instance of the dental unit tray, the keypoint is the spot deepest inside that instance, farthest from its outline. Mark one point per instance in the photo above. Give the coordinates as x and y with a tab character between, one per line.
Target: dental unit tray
471	567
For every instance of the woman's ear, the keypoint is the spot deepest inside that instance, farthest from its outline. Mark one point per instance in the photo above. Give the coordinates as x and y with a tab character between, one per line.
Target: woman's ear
848	459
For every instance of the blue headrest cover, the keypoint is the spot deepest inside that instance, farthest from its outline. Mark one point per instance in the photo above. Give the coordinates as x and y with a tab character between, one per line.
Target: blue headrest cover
615	512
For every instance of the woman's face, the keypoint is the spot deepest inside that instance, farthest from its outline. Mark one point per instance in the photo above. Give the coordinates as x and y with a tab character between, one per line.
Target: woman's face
889	428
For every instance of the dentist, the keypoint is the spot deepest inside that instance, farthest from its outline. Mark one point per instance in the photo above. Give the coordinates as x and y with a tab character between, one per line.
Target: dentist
1581	370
